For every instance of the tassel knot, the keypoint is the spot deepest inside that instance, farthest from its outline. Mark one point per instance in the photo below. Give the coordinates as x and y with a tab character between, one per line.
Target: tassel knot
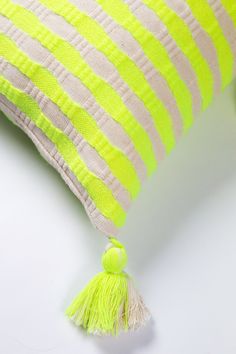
114	258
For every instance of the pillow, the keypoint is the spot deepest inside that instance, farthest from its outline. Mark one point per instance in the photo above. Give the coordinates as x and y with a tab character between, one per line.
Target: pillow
106	88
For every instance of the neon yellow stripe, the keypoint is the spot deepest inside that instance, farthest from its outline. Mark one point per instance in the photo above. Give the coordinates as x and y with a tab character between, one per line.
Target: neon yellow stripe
128	70
156	53
97	190
206	17
230	7
72	60
184	39
47	83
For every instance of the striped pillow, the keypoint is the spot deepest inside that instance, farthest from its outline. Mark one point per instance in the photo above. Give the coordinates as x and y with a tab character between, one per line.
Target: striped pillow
105	88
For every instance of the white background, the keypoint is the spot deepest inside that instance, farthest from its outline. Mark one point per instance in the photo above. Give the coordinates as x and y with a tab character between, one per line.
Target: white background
180	236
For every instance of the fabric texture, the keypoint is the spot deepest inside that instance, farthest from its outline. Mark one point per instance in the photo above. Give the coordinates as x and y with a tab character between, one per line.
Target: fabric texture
105	88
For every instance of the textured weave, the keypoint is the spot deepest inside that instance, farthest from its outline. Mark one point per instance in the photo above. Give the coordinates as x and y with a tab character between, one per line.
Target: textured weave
105	88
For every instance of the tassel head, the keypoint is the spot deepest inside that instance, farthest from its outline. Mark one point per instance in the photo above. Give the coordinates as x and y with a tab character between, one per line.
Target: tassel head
114	259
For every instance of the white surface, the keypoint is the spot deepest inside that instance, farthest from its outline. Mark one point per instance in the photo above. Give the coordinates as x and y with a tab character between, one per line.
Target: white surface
180	236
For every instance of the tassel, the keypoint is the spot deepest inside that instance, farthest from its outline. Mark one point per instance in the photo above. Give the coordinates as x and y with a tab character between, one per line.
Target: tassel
109	303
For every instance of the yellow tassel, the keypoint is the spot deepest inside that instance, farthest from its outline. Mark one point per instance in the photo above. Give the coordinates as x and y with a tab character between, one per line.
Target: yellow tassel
109	303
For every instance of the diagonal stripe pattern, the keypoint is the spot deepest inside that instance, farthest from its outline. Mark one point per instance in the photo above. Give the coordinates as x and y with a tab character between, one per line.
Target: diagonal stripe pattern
106	88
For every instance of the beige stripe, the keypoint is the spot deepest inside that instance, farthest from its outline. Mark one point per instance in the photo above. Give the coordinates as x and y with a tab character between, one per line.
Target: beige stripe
226	24
156	26
101	66
79	93
131	47
90	156
202	39
50	154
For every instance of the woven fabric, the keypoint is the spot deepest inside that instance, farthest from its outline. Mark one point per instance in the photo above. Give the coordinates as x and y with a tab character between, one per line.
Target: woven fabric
105	88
